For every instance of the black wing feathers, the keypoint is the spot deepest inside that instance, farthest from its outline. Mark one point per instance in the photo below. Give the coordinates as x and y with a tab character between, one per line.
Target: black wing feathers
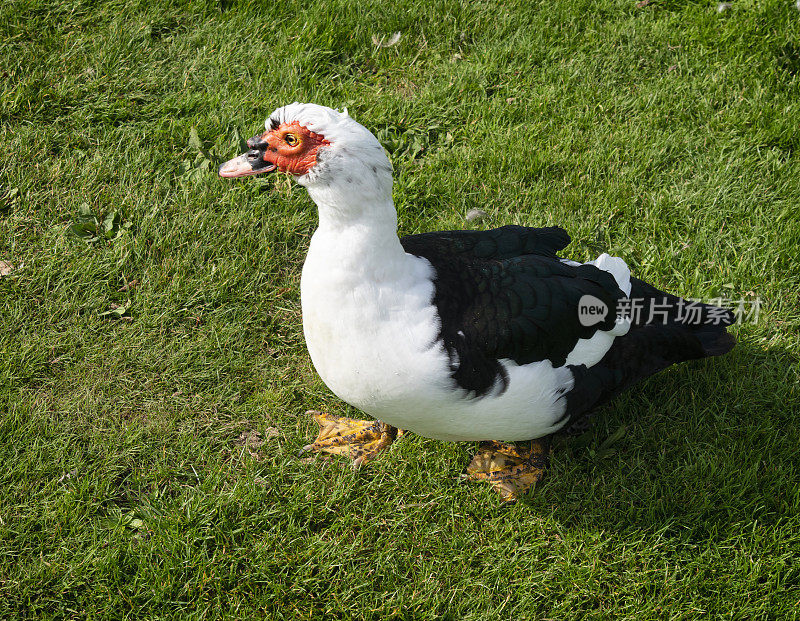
504	294
502	243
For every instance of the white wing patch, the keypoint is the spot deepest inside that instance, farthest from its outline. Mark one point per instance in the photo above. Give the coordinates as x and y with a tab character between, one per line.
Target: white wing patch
617	268
590	351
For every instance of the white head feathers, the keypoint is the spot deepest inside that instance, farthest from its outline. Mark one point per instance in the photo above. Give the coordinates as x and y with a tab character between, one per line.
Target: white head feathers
353	165
338	128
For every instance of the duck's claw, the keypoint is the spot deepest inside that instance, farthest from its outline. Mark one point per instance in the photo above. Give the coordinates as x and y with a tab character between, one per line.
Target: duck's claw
511	469
361	440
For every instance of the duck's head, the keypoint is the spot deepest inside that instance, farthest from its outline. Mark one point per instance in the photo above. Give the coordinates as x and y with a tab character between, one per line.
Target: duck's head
323	149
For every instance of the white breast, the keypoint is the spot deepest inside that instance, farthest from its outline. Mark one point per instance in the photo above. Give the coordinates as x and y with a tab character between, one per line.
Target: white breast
371	331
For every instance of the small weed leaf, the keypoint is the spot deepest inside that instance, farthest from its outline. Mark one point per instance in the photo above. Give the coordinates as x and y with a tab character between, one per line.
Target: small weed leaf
117	311
583	440
68	475
606	448
194	140
614	438
125	520
411	143
135	523
89	228
8	197
111	222
85	225
239	141
195	168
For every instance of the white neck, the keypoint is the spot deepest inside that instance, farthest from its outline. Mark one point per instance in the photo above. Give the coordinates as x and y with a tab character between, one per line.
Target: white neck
342	208
357	220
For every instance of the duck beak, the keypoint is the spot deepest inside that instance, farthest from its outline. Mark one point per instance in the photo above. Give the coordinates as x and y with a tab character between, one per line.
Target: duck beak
253	162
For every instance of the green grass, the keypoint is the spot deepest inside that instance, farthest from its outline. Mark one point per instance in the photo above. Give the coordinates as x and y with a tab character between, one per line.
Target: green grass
667	135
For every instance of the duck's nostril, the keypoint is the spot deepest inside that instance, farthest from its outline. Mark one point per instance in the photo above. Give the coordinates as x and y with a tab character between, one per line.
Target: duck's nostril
253	154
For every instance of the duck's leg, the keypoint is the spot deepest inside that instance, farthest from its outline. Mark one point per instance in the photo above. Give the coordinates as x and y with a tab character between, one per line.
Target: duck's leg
512	469
361	440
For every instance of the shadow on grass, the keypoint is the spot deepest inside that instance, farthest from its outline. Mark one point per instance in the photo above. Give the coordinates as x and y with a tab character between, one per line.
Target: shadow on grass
708	447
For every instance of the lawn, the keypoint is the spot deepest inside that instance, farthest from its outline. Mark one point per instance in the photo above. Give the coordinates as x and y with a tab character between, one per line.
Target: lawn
153	374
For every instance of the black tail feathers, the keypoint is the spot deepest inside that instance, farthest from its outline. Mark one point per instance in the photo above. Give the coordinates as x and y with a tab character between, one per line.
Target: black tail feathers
715	340
706	322
667	331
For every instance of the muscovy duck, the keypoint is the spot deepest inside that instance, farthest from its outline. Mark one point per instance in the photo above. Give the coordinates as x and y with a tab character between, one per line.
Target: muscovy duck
459	335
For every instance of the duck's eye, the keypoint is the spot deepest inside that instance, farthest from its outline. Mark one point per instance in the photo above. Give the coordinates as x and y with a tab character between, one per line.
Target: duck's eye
291	140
